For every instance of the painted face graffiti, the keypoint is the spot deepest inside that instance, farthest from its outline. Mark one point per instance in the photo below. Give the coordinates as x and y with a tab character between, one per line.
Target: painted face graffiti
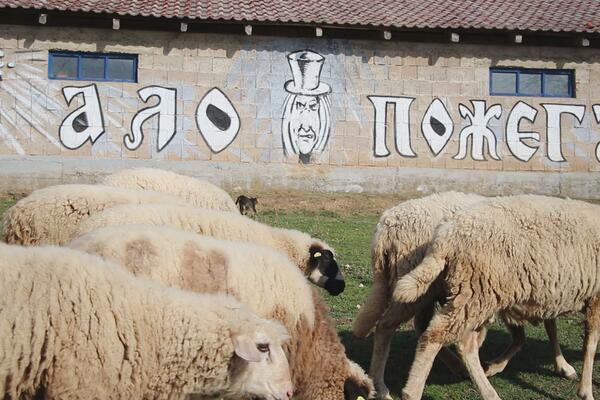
307	111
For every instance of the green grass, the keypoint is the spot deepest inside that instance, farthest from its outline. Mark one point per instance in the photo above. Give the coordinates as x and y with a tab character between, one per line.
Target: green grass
530	375
5	204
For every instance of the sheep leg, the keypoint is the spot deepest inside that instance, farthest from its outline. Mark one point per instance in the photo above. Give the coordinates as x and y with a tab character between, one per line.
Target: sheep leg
396	314
592	334
561	366
446	355
498	364
468	348
381	351
430	343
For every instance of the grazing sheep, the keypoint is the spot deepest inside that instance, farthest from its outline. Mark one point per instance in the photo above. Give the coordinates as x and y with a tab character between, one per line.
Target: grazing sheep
74	327
197	192
399	245
50	215
312	256
529	258
261	278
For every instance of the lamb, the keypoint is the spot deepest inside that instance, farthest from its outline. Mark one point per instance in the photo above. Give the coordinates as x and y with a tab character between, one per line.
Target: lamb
261	278
314	257
548	247
75	327
399	245
197	192
50	215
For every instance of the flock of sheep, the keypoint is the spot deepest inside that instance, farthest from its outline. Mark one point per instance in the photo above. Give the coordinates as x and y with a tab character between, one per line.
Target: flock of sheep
152	285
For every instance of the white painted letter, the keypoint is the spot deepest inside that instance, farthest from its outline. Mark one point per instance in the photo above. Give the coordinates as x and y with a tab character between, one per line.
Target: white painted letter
401	128
478	130
437	126
217	119
554	112
85	123
513	136
166	108
596	108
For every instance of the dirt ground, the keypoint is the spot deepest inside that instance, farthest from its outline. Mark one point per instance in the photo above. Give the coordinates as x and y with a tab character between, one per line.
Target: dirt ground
338	203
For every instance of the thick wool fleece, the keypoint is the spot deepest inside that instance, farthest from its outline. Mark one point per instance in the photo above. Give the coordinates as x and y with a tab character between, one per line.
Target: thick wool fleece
219	224
75	327
535	256
399	244
50	215
197	192
263	279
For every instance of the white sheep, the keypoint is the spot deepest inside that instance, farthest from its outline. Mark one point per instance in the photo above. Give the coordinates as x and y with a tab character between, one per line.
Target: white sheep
314	257
74	327
50	215
261	278
399	243
197	192
529	258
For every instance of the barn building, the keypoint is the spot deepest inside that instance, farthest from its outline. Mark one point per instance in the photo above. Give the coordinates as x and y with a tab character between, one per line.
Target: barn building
402	96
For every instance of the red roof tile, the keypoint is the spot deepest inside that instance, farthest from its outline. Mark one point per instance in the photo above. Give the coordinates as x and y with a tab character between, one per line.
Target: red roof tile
524	15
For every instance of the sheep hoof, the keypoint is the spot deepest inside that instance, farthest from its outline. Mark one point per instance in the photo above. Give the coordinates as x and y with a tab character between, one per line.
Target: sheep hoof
585	395
492	368
568	372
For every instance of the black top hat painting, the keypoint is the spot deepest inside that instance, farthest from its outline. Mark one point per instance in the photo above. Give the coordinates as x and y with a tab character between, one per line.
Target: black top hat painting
307	111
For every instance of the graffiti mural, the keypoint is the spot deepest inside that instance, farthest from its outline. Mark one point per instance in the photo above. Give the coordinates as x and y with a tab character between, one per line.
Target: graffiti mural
338	109
478	130
437	126
86	122
217	120
166	109
401	125
306	117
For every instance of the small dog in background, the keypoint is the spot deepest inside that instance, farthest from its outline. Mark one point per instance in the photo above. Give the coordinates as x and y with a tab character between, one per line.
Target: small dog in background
246	204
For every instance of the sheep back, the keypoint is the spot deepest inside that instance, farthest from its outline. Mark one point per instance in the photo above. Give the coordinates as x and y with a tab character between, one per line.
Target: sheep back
51	215
197	192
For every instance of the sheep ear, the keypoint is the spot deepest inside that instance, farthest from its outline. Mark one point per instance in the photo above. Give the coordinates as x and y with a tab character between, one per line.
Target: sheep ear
245	348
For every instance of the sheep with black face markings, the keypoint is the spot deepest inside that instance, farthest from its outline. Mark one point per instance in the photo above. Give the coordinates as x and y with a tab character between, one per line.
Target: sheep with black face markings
399	243
50	215
314	258
261	278
527	257
197	192
75	327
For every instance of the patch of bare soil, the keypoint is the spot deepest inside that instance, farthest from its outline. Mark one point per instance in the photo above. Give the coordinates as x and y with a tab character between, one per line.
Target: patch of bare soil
339	203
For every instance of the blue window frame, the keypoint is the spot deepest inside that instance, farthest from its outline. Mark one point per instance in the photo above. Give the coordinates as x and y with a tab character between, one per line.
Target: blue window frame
509	81
83	66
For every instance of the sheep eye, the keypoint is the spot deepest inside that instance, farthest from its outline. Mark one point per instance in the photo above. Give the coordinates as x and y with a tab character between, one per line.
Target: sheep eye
317	254
263	347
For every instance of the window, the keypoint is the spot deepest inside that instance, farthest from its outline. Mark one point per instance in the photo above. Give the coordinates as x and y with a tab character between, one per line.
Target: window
532	82
92	66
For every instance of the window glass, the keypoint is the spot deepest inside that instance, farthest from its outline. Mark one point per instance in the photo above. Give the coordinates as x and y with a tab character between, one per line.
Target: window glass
504	82
64	66
121	69
92	68
556	85
530	84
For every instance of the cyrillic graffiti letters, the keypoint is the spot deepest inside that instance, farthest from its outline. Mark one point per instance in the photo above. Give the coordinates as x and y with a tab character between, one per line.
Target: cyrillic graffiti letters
166	109
401	125
217	120
514	137
86	122
478	130
554	113
437	126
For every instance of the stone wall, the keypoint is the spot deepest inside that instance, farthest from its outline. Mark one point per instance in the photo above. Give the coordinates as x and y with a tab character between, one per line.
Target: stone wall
387	116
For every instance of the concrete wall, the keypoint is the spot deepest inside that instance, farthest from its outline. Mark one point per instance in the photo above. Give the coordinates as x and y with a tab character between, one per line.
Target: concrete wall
386	116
